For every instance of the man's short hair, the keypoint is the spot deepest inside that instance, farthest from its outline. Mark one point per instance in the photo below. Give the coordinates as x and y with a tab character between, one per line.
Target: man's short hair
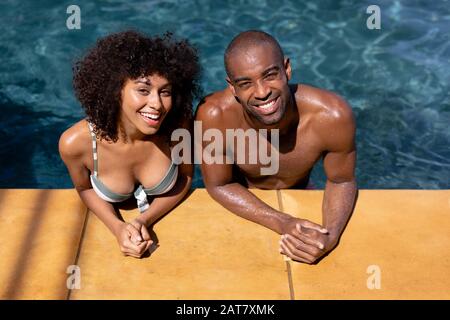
250	38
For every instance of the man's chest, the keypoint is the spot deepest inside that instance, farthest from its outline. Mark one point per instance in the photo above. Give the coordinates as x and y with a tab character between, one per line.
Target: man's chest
289	160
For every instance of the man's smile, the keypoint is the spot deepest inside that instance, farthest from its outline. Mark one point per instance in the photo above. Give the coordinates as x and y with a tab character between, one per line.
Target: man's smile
268	107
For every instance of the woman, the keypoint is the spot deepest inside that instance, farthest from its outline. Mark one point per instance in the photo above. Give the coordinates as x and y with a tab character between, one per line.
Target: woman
135	91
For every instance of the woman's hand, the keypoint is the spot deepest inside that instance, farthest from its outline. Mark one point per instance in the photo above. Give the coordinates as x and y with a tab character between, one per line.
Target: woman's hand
133	238
141	227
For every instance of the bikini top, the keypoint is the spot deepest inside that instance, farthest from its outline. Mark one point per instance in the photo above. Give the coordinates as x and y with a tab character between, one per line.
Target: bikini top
141	193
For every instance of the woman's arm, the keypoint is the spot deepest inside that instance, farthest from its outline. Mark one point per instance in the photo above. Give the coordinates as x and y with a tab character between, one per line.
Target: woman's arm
164	203
73	148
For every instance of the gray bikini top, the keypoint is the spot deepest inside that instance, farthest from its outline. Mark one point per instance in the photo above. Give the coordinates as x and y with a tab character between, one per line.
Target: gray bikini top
141	193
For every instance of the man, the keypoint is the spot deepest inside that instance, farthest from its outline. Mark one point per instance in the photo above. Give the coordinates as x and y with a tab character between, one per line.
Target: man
312	123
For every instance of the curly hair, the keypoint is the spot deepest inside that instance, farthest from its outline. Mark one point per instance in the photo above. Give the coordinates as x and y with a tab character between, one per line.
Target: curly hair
100	75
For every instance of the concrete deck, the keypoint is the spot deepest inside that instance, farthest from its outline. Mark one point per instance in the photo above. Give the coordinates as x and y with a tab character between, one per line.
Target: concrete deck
206	252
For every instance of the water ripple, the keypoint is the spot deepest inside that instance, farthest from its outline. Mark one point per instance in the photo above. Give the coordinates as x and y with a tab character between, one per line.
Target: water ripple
396	79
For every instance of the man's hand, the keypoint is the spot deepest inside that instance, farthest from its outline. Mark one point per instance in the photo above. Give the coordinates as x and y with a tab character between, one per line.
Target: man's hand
306	242
133	239
300	228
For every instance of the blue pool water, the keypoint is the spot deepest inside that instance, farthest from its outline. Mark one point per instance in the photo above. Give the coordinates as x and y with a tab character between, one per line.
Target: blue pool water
396	79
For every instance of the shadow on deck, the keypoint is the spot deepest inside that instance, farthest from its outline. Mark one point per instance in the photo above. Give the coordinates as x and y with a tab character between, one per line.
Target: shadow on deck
205	252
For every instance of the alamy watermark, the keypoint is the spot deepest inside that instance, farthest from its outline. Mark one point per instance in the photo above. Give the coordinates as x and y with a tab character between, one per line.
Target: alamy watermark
74	279
374	279
236	146
74	20
374	20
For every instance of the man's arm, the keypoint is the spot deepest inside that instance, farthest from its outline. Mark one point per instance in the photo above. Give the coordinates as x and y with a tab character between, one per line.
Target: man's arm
340	190
233	196
339	165
340	194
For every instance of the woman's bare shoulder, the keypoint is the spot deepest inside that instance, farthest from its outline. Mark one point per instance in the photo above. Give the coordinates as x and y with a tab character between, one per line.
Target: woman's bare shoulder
76	140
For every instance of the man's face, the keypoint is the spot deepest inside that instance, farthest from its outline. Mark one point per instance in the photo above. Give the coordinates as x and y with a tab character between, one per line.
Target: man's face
259	77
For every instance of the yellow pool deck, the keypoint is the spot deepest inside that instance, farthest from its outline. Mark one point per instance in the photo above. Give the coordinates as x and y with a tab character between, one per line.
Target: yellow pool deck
206	252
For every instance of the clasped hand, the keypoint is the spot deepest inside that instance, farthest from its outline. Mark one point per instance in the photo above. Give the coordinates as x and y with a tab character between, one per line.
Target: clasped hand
305	241
133	238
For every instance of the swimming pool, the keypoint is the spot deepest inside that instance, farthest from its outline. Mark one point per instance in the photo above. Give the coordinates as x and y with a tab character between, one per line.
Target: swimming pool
396	79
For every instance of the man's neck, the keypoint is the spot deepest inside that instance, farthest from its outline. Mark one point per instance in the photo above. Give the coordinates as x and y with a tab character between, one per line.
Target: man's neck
291	117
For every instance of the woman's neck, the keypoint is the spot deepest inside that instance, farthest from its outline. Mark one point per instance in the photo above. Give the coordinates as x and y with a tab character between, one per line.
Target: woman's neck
128	133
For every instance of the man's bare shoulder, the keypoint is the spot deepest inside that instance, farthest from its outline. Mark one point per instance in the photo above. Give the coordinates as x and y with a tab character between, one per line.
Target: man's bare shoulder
322	101
219	108
75	141
332	117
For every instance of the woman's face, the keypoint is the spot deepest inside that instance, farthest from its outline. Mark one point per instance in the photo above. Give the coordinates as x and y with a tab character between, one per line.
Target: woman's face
146	102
